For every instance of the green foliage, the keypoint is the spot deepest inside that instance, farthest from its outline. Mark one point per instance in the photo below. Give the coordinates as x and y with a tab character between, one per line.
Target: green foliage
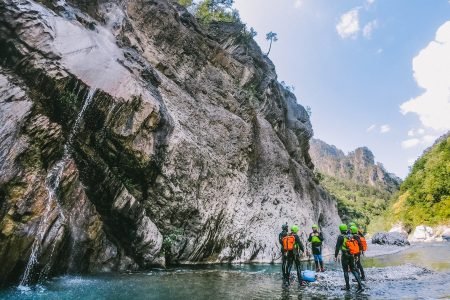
425	194
271	37
318	177
356	202
185	3
247	35
208	11
171	238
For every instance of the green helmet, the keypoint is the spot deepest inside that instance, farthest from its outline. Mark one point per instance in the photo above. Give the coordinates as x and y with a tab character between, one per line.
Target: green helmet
315	226
294	228
343	227
354	229
351	224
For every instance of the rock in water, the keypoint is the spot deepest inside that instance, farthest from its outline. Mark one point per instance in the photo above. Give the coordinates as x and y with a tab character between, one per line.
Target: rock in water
189	150
390	238
422	233
446	235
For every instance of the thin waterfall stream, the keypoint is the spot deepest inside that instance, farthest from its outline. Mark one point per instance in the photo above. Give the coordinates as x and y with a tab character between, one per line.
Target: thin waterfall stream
53	181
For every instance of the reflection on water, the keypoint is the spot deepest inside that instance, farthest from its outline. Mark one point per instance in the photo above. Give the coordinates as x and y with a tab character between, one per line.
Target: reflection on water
432	256
389	277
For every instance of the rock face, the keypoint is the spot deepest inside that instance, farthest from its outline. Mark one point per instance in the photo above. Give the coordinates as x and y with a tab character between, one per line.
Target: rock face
400	228
424	233
362	187
132	137
358	166
446	234
390	238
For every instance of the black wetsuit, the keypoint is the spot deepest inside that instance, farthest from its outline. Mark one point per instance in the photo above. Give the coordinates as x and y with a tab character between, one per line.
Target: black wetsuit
293	256
359	267
348	261
283	253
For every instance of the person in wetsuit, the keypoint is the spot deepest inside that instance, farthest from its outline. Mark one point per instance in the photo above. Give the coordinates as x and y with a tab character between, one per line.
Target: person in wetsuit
357	236
293	255
316	239
348	260
283	233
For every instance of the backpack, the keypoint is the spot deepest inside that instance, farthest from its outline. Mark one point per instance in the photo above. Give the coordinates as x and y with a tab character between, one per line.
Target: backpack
288	243
363	243
315	239
351	245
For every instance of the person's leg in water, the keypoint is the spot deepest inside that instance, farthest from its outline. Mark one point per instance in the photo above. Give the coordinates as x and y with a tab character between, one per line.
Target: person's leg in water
359	267
289	262
344	261
284	265
352	268
316	262
298	267
320	259
348	263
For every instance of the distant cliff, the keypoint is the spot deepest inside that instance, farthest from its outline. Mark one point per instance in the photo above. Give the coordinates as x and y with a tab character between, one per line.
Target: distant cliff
132	136
362	187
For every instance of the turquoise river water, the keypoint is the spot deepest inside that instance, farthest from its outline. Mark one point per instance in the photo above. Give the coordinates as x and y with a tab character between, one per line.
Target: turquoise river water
420	272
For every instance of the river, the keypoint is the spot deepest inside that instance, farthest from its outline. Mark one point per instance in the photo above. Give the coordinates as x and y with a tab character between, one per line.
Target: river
419	272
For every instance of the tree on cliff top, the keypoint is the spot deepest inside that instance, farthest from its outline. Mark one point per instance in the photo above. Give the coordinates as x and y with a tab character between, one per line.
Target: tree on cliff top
272	37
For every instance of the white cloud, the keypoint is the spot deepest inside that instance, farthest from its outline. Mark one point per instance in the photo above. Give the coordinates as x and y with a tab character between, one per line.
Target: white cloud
432	73
369	28
379	50
298	3
372	1
385	128
410	143
348	26
371	128
425	141
413	132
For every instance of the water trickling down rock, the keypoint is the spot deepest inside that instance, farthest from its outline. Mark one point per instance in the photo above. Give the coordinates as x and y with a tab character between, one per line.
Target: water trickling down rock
190	152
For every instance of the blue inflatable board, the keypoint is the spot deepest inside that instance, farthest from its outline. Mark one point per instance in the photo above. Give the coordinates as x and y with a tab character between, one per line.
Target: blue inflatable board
309	276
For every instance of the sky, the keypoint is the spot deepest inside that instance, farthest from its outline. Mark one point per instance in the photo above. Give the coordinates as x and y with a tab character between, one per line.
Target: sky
375	73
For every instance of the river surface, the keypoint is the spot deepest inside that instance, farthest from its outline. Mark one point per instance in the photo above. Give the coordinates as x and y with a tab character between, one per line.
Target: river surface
420	272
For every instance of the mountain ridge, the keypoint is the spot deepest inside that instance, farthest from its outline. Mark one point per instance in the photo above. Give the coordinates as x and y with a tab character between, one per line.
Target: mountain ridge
362	187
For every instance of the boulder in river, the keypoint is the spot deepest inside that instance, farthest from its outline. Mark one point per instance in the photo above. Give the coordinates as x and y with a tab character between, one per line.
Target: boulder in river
400	228
390	238
422	233
431	234
446	235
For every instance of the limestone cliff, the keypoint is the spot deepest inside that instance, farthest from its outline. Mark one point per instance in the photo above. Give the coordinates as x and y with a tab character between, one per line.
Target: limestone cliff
357	166
133	137
362	187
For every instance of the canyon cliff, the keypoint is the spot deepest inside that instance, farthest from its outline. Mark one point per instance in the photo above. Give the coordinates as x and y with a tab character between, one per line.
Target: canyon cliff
134	137
362	187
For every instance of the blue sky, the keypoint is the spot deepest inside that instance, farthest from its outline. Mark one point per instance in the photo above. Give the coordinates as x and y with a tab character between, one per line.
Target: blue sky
351	61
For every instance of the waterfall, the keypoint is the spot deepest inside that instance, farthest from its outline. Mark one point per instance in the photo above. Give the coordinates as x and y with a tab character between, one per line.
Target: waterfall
52	182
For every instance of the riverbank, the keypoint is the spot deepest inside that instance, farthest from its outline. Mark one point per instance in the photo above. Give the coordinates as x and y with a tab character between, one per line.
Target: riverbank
375	250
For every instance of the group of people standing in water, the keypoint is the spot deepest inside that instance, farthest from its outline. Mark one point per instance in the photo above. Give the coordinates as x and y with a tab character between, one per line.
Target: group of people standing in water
350	242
